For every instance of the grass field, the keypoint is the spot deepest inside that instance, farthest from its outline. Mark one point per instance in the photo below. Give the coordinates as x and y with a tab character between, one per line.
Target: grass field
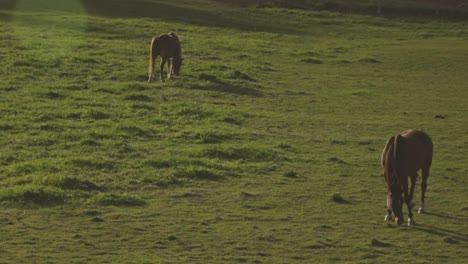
265	150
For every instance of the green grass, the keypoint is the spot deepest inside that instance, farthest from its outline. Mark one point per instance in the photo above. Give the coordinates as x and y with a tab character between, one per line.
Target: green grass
449	9
266	149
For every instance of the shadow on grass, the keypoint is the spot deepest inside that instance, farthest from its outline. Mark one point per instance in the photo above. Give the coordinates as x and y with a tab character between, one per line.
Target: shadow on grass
217	85
454	236
170	11
444	216
7	4
449	236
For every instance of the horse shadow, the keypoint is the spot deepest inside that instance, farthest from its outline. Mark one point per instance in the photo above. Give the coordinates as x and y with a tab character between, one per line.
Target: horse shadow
445	216
217	85
449	236
441	232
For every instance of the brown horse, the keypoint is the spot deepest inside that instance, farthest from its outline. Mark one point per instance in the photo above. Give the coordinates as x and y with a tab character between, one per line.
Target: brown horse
167	46
403	156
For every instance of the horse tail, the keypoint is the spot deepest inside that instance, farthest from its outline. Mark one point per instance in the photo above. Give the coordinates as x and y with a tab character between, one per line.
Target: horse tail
387	162
430	150
399	153
385	150
153	48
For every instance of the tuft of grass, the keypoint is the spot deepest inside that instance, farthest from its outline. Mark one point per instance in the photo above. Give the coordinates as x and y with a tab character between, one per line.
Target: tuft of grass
68	183
53	95
250	154
138	97
93	164
337	198
195	173
312	61
213	137
116	199
159	164
369	60
241	76
134	131
90	142
208	77
291	174
187	110
93	114
32	195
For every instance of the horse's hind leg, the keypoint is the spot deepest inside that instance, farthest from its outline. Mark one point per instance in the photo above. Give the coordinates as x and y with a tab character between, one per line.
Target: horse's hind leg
151	68
407	200
389	218
163	61
169	69
425	175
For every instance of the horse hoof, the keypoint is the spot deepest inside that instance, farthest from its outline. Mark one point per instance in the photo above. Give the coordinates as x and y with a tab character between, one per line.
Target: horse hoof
388	218
411	222
421	211
399	220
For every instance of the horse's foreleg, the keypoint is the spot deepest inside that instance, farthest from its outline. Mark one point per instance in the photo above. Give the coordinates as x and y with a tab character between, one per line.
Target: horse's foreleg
169	68
163	61
388	218
411	193
407	200
425	175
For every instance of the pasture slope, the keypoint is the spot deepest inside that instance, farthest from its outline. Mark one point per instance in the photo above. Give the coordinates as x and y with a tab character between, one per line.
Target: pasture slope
265	150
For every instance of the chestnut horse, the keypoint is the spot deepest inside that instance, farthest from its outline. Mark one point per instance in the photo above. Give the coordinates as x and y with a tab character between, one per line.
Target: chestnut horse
167	46
403	156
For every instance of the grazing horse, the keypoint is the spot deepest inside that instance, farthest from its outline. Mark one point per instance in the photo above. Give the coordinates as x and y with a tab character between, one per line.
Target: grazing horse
167	46
403	156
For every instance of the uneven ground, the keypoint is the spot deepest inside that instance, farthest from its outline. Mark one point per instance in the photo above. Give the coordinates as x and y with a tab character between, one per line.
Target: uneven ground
265	150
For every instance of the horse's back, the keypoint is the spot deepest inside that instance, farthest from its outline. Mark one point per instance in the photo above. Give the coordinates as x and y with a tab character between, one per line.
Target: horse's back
167	45
419	147
419	139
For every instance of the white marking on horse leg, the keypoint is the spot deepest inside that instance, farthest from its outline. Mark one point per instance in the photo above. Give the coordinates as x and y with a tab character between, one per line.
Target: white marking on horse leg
421	208
411	222
150	77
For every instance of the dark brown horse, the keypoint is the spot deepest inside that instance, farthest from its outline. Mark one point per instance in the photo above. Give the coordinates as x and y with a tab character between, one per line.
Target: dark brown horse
403	156
167	46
